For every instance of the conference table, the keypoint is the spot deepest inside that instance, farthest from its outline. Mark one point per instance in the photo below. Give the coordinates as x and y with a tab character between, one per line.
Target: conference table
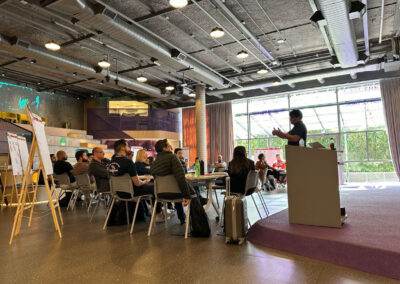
208	180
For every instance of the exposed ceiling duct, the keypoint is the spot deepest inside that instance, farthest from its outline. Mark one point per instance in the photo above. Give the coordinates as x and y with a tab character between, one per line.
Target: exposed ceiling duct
111	22
337	15
39	53
320	76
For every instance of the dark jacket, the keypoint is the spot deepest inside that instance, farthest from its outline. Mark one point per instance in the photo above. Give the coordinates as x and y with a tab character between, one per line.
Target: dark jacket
238	181
61	167
101	175
141	168
168	164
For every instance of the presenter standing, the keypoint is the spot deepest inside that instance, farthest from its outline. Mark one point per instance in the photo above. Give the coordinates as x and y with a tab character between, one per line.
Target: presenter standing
298	134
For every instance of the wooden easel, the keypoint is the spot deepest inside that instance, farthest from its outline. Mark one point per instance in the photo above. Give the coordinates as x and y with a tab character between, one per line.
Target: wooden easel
24	190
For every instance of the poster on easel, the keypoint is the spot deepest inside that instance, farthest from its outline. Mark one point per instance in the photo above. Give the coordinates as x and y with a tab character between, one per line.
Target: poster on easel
40	147
15	156
38	127
23	151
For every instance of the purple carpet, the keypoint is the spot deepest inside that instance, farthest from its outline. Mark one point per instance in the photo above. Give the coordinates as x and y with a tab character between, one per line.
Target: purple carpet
369	240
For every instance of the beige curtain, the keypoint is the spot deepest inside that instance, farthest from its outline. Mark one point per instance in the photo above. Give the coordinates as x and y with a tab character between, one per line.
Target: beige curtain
221	131
390	89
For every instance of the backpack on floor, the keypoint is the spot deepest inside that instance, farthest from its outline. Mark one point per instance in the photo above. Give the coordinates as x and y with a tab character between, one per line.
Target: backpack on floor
199	223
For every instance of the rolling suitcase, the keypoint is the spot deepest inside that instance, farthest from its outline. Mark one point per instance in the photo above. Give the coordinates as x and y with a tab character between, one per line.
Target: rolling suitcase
235	219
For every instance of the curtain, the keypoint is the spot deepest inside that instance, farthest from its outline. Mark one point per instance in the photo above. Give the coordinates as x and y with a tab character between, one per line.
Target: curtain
189	133
390	89
219	132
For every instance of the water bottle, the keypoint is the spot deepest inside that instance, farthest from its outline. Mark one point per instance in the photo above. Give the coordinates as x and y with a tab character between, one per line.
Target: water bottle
301	142
332	144
201	167
197	169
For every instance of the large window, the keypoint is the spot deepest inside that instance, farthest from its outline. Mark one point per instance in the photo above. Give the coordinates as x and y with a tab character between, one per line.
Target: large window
350	115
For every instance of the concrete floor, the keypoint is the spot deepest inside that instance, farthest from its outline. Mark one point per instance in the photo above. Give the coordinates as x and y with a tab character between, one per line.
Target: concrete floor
87	254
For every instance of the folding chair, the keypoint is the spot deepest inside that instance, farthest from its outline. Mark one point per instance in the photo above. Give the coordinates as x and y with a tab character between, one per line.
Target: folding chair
124	184
167	186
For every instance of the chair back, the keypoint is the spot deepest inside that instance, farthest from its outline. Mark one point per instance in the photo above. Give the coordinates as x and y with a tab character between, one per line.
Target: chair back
83	181
251	182
63	179
121	184
166	184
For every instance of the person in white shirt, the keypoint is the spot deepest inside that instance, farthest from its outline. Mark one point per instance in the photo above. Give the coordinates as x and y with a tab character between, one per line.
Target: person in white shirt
220	165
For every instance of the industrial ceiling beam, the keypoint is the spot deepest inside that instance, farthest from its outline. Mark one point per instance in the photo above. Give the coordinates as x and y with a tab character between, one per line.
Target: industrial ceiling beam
12	61
75	40
65	85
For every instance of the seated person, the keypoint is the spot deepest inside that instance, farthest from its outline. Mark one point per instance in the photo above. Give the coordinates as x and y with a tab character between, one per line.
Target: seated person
263	166
99	170
82	165
120	165
62	166
238	170
193	167
219	166
167	164
179	154
279	164
151	160
142	165
53	159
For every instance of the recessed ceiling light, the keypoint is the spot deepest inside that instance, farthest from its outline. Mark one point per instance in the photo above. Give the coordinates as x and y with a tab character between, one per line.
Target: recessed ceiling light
53	46
33	61
281	40
277	82
192	95
242	54
178	3
170	88
141	79
104	63
262	71
217	32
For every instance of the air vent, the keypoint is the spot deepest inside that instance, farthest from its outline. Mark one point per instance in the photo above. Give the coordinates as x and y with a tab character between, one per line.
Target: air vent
109	13
23	43
178	55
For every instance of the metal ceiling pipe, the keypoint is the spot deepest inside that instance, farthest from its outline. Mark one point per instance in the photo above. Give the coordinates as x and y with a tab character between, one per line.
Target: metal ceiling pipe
365	28
341	31
242	28
381	24
76	65
115	24
322	29
320	76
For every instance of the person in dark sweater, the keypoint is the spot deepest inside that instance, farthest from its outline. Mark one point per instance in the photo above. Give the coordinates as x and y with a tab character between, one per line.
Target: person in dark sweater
99	170
62	166
238	169
168	164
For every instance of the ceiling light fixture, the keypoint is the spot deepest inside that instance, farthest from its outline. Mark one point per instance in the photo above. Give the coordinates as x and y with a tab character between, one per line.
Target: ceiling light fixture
262	71
217	32
192	95
277	82
280	41
141	79
242	55
178	4
53	46
104	64
170	88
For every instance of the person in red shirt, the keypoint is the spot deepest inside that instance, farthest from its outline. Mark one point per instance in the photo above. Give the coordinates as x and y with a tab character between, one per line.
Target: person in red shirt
279	164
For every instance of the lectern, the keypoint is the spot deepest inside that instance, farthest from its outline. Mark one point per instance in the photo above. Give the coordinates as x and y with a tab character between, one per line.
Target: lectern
313	187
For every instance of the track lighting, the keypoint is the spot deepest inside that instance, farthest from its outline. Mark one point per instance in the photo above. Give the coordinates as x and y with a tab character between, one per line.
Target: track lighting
104	64
141	79
178	4
262	71
242	54
217	32
53	46
170	88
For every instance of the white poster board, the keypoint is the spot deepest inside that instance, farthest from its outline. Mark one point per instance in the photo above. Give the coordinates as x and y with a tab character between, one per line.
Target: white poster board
135	149
269	153
38	127
15	156
23	151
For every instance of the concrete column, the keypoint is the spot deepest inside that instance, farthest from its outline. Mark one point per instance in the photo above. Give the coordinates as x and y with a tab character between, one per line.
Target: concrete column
201	124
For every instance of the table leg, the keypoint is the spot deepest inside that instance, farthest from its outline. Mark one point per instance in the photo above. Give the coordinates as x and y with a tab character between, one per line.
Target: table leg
210	199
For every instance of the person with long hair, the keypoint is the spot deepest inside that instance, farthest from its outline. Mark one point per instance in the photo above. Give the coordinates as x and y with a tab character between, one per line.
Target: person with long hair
142	163
238	169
